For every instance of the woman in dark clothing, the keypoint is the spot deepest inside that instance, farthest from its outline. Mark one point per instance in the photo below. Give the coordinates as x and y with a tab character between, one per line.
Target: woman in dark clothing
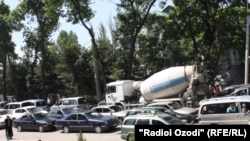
8	127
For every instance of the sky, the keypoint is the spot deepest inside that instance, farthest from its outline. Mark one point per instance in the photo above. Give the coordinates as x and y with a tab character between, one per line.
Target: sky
105	11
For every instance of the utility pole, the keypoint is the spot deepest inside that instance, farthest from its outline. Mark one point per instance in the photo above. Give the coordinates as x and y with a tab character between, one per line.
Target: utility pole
247	47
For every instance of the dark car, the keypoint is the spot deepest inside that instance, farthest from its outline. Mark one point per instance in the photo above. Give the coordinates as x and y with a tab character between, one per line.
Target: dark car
35	122
85	121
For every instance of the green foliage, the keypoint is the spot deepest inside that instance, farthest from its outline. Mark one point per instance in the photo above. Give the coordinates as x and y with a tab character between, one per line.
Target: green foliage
81	137
131	137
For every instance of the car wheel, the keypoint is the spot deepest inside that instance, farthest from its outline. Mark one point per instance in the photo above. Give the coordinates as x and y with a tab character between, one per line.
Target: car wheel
19	128
130	137
41	129
66	129
98	129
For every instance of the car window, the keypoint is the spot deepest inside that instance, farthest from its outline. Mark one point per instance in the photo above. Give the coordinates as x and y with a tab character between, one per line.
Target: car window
220	108
6	106
14	106
68	110
81	117
3	112
66	102
116	108
53	111
175	105
142	122
129	122
98	110
172	120
72	117
20	111
105	110
24	104
82	101
41	103
156	122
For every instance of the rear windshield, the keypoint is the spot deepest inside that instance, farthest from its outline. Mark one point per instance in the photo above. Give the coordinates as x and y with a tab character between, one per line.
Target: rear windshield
173	121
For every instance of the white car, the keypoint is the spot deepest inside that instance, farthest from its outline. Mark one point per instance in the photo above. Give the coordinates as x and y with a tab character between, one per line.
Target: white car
176	107
3	114
19	112
110	110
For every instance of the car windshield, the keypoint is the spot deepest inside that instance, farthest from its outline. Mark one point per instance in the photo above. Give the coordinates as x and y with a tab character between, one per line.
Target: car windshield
172	120
40	116
34	109
4	112
175	105
91	115
116	108
68	110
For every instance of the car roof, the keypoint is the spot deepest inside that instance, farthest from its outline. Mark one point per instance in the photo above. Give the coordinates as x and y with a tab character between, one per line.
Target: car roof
26	107
147	108
104	106
162	102
33	100
76	97
146	115
226	99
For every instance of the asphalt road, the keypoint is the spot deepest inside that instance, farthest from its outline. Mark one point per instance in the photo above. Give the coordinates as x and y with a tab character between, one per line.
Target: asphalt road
60	136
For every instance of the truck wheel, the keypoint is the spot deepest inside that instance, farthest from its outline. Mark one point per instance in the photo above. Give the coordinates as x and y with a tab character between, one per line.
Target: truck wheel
66	129
98	129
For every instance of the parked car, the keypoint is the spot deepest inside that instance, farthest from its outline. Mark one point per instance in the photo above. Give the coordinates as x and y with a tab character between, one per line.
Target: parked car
110	110
35	122
19	112
12	105
218	111
176	107
151	110
75	102
3	114
85	121
128	124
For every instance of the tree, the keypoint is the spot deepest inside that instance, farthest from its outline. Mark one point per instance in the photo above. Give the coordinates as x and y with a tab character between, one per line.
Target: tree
7	53
79	11
131	18
44	13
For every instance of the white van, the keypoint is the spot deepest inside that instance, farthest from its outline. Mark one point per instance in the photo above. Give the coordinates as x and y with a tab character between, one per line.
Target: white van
75	102
218	111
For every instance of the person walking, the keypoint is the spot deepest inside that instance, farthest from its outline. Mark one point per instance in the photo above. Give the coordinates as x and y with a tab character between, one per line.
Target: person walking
8	127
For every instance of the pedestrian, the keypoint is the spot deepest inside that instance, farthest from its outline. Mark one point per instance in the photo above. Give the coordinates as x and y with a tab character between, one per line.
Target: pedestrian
8	127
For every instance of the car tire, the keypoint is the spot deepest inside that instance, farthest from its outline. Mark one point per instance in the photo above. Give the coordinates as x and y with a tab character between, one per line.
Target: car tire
66	129
130	137
98	129
19	128
41	129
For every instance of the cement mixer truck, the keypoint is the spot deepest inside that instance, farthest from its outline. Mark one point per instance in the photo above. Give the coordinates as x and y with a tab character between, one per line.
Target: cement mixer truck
185	82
